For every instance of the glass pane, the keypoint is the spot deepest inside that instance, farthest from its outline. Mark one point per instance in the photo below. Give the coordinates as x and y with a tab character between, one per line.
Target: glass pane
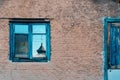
21	45
39	46
114	74
21	28
39	29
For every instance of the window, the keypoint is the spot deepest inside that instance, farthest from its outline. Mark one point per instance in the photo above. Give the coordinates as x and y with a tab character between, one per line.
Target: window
29	40
111	48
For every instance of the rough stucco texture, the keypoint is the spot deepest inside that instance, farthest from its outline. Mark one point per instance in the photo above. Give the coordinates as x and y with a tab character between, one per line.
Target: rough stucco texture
76	38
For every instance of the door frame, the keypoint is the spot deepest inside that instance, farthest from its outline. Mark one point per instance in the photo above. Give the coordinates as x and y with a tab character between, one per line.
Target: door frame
106	21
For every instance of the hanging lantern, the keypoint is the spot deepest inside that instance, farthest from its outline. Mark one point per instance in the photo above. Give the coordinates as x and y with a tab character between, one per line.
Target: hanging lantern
41	50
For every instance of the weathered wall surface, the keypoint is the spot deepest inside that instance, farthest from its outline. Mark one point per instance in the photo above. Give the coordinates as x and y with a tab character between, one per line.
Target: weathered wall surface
76	38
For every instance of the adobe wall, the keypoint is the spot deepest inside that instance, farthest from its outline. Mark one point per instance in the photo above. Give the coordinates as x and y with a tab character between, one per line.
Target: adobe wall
76	38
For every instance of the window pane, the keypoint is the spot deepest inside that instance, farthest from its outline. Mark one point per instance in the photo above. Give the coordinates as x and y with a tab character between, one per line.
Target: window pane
114	74
21	28
21	45
39	46
39	29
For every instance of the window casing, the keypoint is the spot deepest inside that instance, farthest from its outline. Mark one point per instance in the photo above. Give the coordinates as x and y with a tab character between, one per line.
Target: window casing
29	41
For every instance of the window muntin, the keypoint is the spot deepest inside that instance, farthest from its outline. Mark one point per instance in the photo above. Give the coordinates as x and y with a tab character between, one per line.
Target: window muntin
28	39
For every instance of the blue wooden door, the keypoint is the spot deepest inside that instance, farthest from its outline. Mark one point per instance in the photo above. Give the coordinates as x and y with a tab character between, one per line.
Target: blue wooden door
114	45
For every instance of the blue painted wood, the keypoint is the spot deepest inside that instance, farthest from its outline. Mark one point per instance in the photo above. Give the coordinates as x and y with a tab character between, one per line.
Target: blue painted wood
119	45
48	42
111	44
114	46
113	20
105	38
112	38
10	41
117	56
115	43
30	41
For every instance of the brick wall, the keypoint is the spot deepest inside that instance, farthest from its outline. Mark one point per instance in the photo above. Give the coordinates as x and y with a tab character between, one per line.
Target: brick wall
76	38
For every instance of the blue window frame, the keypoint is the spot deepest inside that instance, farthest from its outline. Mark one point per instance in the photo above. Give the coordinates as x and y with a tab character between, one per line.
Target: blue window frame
29	41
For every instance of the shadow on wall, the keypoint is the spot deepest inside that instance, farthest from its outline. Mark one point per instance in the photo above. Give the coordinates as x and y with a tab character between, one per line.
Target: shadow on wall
107	7
1	2
103	1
